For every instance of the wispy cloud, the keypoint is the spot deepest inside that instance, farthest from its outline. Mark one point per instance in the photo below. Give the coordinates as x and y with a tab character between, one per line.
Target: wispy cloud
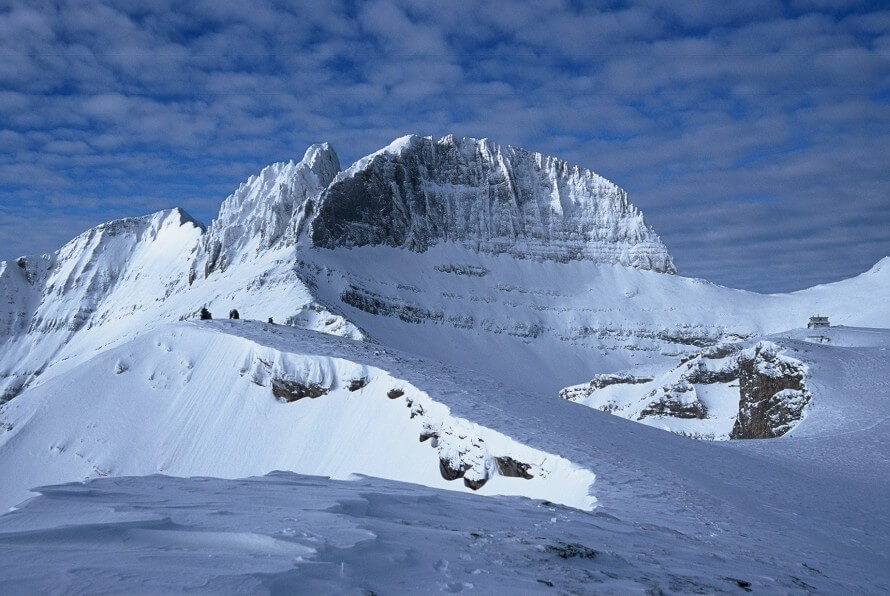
753	136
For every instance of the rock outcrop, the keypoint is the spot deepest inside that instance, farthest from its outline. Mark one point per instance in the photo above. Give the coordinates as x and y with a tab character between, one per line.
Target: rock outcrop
755	393
772	393
679	400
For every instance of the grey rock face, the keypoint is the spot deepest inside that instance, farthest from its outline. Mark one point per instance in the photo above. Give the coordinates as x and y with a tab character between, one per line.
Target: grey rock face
418	192
772	393
678	400
578	392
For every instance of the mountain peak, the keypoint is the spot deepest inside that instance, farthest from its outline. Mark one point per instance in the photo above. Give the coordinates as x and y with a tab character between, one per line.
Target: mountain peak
262	211
417	192
322	160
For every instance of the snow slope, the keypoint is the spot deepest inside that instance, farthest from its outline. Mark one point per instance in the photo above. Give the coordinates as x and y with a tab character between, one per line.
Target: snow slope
191	400
785	515
117	275
557	324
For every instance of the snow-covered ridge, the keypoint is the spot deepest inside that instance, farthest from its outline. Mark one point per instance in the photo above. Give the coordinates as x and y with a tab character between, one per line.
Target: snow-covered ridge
417	192
196	399
111	272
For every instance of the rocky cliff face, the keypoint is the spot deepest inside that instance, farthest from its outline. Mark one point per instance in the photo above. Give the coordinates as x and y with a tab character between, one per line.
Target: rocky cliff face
418	192
772	393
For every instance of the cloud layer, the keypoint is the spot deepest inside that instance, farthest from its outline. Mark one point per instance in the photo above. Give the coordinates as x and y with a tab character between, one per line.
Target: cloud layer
753	137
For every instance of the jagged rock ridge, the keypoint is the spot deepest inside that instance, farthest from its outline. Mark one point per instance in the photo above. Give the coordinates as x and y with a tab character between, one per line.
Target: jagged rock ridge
418	192
267	209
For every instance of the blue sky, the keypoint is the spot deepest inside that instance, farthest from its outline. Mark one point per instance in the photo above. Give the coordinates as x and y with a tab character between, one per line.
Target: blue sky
753	135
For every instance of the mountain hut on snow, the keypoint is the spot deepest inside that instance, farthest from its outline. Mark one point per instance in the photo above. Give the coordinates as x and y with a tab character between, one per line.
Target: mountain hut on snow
817	322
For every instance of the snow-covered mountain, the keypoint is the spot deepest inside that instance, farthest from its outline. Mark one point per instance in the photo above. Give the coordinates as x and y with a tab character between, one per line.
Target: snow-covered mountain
267	210
437	307
114	278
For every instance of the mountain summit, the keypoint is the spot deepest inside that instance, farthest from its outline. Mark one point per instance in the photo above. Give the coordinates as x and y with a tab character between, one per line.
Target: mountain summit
417	192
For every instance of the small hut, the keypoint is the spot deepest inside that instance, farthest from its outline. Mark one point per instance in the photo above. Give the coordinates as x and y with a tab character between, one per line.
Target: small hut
818	322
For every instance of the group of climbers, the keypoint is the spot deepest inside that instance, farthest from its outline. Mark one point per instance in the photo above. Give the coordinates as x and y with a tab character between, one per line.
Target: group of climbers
233	314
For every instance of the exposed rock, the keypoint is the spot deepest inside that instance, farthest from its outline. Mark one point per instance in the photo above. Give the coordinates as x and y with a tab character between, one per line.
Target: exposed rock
690	337
376	304
475	484
772	393
720	351
699	373
571	550
449	472
267	209
356	384
469	270
678	400
288	390
395	393
507	466
578	392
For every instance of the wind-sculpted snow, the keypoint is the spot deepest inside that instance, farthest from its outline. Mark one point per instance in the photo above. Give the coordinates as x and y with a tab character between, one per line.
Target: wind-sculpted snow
417	193
673	515
292	534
